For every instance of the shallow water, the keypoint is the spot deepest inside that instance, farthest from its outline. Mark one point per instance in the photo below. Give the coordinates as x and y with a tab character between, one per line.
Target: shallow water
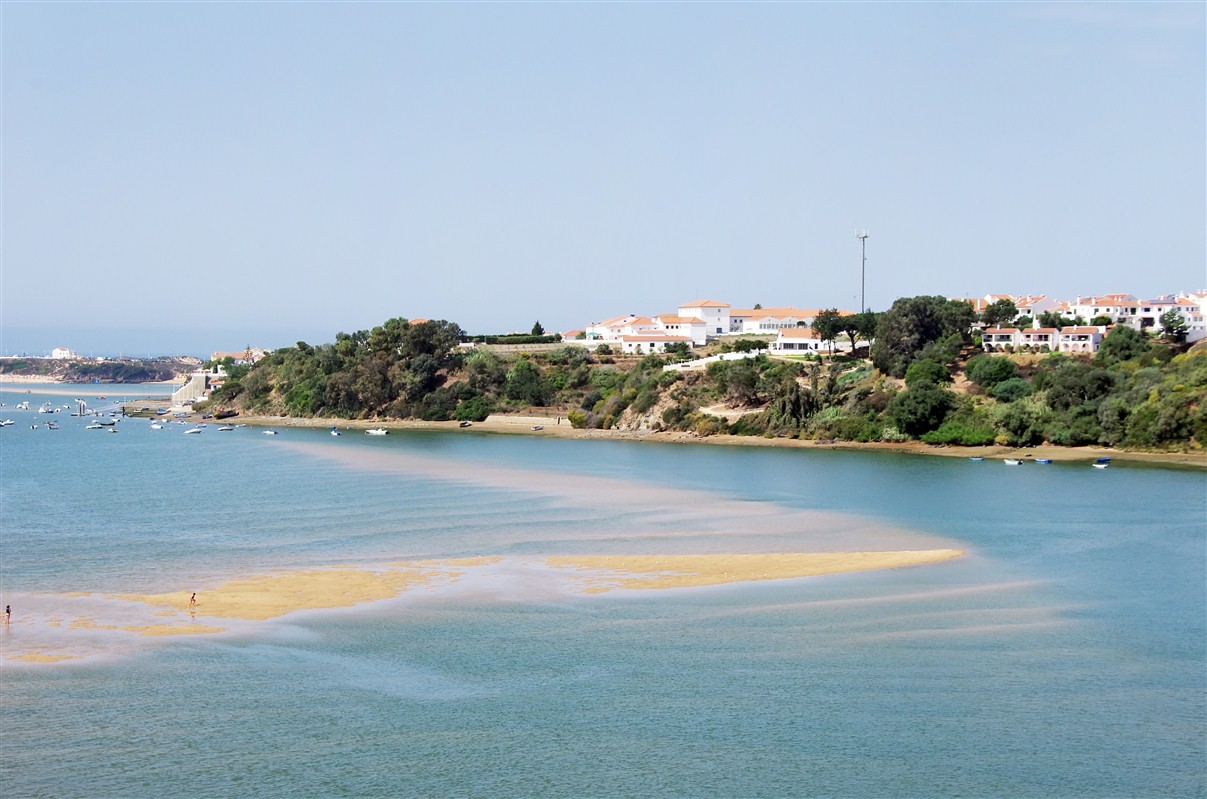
1063	656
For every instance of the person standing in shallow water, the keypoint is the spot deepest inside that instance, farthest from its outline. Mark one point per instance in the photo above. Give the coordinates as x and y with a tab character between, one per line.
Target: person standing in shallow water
8	613
193	599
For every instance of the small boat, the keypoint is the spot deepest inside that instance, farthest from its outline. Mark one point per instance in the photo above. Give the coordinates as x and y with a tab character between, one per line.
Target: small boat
7	422
1043	460
1102	460
377	431
270	432
1101	465
1013	462
224	428
976	459
156	426
538	427
93	426
336	433
465	424
112	430
106	422
192	430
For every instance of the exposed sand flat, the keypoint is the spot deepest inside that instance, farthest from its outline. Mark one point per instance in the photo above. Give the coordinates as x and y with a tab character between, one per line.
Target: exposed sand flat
269	596
149	629
684	571
42	657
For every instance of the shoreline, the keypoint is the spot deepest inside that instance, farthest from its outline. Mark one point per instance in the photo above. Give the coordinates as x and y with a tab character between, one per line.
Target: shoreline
550	427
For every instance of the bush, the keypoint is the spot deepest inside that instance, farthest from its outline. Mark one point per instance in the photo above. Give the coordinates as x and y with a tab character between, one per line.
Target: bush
987	370
960	432
920	409
1011	390
474	409
926	373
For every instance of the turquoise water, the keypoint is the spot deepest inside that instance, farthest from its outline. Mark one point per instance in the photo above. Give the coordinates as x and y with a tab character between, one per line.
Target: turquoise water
1063	656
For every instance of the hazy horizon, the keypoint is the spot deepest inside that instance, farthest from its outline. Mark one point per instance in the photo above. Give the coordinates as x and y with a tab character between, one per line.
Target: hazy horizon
182	178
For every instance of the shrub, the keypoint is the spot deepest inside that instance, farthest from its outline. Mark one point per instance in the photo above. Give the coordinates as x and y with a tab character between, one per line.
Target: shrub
988	370
1011	390
926	372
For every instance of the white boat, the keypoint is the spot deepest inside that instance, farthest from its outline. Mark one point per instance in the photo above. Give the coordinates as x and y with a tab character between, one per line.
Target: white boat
156	426
377	431
7	422
192	430
1101	465
225	428
270	432
93	426
336	433
1013	462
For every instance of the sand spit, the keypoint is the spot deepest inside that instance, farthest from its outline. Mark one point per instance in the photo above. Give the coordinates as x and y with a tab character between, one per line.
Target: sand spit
608	572
270	596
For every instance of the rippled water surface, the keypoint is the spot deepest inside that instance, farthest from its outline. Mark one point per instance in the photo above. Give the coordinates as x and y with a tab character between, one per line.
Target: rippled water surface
1063	656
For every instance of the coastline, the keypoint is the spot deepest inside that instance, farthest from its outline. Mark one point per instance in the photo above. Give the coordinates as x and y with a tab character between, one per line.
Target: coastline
559	427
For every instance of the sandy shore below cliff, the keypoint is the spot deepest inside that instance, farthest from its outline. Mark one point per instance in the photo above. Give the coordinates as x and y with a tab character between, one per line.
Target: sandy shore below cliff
559	427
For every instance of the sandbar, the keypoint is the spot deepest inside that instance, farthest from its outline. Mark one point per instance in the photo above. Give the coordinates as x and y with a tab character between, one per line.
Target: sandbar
608	572
269	596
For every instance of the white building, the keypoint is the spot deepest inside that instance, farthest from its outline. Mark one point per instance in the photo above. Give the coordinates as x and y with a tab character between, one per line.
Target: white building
798	340
62	354
715	315
644	344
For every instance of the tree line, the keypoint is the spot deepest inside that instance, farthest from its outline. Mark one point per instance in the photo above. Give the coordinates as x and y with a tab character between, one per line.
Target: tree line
924	379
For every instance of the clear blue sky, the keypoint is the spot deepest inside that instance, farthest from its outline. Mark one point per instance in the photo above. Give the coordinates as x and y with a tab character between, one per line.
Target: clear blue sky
185	177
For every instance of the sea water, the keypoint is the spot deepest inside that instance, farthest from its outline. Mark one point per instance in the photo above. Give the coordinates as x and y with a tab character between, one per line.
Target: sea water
1064	655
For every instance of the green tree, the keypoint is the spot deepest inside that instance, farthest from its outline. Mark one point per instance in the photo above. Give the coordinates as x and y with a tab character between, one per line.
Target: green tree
999	311
526	384
537	329
1173	326
989	370
828	324
920	409
1012	389
912	323
926	372
1123	343
1102	320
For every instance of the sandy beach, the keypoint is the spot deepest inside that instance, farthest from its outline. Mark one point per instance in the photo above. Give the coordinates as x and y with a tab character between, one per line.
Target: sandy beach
559	427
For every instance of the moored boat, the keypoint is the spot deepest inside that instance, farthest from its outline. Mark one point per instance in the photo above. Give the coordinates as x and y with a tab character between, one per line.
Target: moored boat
1013	462
376	431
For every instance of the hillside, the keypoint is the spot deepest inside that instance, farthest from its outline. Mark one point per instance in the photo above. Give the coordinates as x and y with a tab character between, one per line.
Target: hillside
1136	393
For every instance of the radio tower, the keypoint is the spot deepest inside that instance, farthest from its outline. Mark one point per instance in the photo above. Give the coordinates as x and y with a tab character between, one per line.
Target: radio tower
862	235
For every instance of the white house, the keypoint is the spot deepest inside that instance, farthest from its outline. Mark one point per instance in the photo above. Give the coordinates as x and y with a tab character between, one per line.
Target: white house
1039	337
1080	339
790	340
692	327
647	343
1032	306
1121	308
62	354
715	315
994	338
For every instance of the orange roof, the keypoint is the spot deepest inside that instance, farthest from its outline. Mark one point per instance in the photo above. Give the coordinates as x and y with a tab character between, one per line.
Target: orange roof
705	304
1047	331
654	337
1069	330
1001	330
798	332
675	319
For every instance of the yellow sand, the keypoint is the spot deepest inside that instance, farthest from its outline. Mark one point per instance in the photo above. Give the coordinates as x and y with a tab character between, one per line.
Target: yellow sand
41	657
266	597
684	571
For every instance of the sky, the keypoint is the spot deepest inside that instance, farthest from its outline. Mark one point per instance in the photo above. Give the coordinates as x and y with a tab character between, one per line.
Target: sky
179	178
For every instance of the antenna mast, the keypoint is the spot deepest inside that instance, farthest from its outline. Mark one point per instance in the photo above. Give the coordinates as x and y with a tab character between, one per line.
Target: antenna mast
862	235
